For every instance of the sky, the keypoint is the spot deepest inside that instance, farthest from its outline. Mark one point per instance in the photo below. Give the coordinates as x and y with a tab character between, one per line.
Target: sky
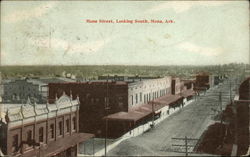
56	33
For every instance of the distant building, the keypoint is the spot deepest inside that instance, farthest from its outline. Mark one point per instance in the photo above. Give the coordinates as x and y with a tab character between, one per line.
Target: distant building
126	78
188	84
177	86
36	89
41	130
204	81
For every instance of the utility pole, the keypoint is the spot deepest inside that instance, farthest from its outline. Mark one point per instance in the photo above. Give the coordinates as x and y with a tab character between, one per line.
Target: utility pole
221	109
230	92
186	146
235	123
106	133
221	122
106	112
153	112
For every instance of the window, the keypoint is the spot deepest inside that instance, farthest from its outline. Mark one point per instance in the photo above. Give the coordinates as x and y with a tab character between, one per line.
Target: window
15	143
52	130
136	98
132	102
29	137
67	125
60	128
41	134
74	123
140	97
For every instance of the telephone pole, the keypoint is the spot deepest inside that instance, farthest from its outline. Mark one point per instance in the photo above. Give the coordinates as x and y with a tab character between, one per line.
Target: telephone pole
153	112
106	112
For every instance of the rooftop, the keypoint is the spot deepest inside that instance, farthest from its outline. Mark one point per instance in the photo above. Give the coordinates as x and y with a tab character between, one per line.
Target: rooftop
41	81
142	111
17	112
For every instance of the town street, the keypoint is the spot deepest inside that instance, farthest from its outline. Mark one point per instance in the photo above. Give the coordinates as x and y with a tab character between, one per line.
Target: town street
191	121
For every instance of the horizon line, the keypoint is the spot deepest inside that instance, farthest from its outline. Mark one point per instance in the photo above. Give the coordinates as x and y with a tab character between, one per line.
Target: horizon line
123	65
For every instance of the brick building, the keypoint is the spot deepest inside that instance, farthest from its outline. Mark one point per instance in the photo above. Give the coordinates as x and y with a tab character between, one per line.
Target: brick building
97	99
129	100
204	81
18	90
100	98
41	129
207	80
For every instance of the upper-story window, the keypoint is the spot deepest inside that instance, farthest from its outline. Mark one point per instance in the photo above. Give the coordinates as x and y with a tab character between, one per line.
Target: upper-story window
29	137
52	130
15	143
136	98
74	123
67	125
132	101
140	97
41	134
60	125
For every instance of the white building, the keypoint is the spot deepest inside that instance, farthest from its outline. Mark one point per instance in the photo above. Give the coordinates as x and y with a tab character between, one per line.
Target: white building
141	92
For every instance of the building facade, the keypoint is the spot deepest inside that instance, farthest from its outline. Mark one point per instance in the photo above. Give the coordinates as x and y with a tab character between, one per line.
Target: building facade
101	98
18	91
35	130
143	91
97	99
177	86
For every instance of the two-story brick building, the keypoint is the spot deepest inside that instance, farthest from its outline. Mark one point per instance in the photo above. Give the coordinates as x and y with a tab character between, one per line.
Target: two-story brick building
128	98
35	130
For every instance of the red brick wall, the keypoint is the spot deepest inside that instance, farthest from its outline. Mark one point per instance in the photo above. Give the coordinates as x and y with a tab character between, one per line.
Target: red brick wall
21	131
202	81
92	101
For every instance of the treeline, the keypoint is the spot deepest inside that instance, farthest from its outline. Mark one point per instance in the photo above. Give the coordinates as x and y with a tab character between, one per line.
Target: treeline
82	71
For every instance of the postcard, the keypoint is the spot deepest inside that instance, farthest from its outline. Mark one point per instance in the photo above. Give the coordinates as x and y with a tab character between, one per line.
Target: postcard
124	78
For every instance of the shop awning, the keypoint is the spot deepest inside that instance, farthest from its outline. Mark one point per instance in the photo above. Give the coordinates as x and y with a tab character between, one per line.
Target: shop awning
139	112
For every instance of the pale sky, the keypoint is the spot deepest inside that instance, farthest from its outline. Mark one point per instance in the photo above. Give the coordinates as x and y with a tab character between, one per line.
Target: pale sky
56	33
